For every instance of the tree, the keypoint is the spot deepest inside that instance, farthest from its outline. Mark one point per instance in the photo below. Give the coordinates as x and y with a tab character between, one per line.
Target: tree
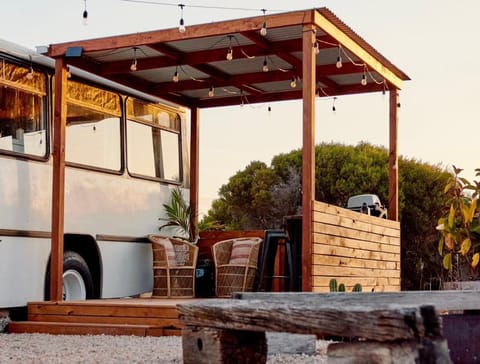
259	196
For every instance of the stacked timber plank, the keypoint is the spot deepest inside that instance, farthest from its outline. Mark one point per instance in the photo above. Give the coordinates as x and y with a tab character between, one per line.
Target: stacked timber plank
139	317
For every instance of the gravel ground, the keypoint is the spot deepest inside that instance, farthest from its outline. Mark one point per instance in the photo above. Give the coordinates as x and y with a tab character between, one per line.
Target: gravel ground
41	348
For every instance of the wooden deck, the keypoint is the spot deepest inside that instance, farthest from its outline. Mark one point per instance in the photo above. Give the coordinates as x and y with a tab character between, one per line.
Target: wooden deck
128	316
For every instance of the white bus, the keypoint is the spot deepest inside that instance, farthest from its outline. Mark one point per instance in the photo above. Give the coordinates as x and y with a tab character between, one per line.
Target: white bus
124	153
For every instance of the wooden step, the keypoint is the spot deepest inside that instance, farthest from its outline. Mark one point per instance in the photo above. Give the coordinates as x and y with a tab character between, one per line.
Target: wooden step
62	328
140	317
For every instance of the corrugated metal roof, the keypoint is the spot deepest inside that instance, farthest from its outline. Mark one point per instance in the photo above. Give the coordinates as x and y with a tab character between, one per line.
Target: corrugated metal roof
199	56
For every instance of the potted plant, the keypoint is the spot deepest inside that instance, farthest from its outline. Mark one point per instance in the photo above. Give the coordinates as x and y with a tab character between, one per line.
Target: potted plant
179	216
459	227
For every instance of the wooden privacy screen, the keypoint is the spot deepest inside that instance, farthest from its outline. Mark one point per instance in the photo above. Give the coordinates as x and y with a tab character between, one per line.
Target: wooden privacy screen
354	248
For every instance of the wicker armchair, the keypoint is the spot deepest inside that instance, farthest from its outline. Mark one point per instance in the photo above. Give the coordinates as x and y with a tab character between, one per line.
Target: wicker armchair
174	263
236	263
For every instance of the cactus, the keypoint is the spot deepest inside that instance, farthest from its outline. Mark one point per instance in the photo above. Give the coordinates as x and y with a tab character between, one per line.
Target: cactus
341	287
357	288
333	285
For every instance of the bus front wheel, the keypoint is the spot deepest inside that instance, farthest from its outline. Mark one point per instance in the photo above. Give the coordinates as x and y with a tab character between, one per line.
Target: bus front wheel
77	278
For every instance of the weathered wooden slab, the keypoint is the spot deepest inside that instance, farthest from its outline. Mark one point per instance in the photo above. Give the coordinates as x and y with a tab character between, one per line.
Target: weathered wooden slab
442	300
380	322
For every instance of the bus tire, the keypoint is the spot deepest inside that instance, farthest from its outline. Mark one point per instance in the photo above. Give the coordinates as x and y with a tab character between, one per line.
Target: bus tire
77	278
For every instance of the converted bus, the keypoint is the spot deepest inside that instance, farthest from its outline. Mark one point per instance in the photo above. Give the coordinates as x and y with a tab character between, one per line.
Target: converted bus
124	152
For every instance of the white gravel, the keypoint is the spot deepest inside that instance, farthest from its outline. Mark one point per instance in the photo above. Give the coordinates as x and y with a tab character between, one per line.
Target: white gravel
42	348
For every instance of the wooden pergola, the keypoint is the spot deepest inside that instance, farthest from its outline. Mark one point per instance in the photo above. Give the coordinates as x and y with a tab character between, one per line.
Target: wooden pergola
312	47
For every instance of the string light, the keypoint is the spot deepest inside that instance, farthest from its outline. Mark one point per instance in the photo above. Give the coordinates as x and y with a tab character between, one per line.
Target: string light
269	108
69	74
317	47
133	66
293	84
263	31
333	105
265	65
364	77
230	50
211	92
175	75
181	27
30	73
85	14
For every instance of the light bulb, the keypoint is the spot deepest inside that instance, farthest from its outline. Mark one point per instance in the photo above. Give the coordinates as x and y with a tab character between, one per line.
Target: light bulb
263	31
364	80
133	67
293	84
265	66
317	48
230	54
269	108
175	77
69	74
85	17
30	73
181	27
211	92
339	62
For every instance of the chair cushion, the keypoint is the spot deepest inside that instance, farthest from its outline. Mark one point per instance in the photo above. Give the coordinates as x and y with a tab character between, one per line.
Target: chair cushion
169	251
241	251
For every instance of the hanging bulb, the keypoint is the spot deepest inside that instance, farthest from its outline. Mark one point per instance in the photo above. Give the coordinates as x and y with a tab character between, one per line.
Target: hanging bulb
364	80
133	66
181	27
317	48
30	73
242	104
69	74
211	92
333	105
265	66
230	54
269	108
293	84
263	31
339	62
175	77
85	14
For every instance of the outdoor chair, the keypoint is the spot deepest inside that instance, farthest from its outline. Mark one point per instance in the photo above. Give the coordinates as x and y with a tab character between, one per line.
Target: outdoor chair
174	263
236	263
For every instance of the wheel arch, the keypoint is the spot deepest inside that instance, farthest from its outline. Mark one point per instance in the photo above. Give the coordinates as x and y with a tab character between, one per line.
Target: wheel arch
87	247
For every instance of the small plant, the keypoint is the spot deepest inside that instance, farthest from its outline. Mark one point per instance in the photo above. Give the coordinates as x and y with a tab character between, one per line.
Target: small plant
460	225
335	287
179	215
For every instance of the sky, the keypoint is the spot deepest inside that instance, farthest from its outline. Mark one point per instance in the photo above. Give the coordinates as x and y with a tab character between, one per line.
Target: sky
435	42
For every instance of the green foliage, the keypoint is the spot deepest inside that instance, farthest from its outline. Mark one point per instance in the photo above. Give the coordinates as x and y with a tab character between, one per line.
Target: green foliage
341	287
178	215
357	288
459	227
259	196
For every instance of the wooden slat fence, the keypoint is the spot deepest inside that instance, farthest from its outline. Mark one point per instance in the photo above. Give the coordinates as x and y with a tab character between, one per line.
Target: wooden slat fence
354	248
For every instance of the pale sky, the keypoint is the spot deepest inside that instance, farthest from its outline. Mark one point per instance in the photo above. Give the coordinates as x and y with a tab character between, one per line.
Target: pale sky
435	42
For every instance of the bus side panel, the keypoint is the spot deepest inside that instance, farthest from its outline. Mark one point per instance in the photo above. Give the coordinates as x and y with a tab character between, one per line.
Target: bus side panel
127	268
23	263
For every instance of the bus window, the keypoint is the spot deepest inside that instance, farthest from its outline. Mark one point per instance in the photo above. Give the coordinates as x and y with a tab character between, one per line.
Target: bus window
153	141
93	127
22	110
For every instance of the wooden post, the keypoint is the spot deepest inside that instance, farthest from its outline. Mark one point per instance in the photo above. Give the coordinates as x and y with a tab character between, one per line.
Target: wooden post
393	158
308	153
58	181
194	165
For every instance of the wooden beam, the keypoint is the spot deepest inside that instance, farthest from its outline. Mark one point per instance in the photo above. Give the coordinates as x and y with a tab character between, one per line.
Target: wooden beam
393	158
308	154
194	165
192	32
58	181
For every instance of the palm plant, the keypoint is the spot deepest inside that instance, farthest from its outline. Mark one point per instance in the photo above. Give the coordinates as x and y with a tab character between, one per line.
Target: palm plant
179	215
